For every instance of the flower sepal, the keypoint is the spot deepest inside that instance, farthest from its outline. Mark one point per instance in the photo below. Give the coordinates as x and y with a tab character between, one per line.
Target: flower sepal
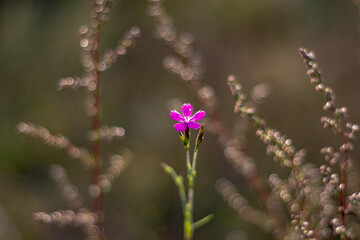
185	137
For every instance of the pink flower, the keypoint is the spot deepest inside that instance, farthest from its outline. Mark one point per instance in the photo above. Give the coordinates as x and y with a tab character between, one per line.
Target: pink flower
186	120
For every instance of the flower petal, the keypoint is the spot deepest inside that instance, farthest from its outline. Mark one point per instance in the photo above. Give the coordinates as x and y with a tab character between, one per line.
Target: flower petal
194	125
186	109
198	116
180	127
175	115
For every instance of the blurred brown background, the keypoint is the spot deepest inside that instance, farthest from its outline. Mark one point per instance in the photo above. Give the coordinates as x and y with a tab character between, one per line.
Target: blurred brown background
255	40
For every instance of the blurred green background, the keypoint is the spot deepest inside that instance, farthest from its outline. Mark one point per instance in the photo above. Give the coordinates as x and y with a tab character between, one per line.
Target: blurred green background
255	40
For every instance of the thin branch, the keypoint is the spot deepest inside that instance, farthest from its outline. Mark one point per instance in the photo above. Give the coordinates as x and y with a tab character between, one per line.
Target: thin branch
56	140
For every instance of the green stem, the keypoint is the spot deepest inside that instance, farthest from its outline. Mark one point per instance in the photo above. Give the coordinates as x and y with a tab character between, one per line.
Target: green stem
188	161
202	221
188	228
188	211
193	168
188	201
189	208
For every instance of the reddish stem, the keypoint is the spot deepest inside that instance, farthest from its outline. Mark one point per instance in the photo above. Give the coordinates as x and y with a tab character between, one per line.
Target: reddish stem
95	125
343	184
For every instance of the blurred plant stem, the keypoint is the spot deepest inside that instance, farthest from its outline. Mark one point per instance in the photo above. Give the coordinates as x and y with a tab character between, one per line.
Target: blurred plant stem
95	125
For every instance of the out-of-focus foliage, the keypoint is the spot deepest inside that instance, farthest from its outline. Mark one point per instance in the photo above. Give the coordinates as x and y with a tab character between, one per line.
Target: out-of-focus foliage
255	40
